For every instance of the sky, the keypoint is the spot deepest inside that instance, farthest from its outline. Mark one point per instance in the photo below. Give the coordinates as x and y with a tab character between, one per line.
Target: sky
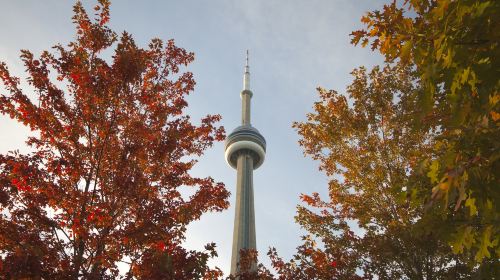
295	46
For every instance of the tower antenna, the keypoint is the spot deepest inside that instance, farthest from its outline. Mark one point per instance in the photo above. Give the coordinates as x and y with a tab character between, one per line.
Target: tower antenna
246	75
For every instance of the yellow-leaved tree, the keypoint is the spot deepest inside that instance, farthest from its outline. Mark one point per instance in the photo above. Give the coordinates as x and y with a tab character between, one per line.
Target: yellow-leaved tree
453	47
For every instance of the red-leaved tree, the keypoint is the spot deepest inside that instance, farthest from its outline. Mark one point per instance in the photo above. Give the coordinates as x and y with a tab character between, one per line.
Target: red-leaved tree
111	153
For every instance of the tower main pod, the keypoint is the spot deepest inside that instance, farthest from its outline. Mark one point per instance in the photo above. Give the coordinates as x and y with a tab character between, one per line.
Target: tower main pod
245	151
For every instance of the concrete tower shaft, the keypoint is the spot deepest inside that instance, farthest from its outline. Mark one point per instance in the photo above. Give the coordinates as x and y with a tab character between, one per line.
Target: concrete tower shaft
245	151
246	95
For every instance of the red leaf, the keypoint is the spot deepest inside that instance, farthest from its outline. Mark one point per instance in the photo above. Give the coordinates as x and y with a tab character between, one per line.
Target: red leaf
160	245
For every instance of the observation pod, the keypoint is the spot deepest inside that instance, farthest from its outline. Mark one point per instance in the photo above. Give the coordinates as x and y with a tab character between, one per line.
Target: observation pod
245	151
245	139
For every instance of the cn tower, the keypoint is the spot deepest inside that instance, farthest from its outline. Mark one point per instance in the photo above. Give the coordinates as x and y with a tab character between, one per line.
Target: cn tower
245	151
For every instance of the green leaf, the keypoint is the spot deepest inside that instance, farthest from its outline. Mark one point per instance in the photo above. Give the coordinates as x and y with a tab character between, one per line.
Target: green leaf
406	50
481	7
448	58
433	172
463	238
457	81
489	204
439	46
472	80
471	203
484	60
465	75
484	245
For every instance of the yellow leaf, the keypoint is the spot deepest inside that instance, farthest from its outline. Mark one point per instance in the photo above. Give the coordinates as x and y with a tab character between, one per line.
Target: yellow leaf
441	8
494	99
438	145
364	43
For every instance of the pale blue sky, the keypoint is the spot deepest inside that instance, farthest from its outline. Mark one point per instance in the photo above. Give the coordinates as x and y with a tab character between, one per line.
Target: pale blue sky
295	46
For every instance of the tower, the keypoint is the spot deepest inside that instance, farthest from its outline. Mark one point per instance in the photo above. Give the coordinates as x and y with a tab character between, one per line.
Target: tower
245	151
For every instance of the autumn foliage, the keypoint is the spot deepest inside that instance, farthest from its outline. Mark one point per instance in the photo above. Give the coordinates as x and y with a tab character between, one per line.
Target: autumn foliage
370	223
112	149
453	47
411	151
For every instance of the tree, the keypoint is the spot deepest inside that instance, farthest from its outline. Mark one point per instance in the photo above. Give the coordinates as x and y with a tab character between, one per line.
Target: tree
366	144
247	269
422	130
453	47
112	150
312	262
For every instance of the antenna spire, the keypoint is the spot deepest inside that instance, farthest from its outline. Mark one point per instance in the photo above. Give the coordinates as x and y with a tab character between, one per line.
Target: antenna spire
246	75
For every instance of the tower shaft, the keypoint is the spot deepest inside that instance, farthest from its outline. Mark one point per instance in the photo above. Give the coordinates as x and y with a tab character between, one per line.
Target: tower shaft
245	151
244	219
245	108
